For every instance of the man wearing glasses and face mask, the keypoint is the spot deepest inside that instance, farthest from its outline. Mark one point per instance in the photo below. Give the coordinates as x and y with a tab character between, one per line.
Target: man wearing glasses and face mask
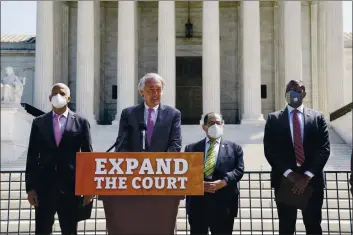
223	169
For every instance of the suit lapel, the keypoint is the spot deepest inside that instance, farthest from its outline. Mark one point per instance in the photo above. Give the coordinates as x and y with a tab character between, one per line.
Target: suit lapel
49	127
139	113
200	146
70	122
68	127
307	121
159	121
222	152
284	117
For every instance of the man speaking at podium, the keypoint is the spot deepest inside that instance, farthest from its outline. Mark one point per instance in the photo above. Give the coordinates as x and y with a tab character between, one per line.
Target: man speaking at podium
146	214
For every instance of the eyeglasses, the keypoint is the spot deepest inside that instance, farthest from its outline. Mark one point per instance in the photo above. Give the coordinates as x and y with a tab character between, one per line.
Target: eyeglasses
211	123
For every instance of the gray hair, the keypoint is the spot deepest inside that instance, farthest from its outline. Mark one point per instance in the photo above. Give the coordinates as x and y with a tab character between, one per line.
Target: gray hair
62	85
148	77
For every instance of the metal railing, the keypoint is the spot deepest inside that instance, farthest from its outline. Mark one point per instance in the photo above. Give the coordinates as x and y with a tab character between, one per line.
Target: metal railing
257	209
341	112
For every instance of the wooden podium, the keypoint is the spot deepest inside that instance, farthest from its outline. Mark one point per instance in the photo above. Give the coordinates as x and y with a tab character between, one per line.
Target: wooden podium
140	191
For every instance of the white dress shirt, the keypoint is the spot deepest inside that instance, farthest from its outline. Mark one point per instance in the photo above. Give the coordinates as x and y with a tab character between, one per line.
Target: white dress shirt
300	114
154	114
216	147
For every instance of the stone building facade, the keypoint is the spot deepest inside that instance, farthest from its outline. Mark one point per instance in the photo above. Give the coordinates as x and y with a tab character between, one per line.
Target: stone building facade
82	42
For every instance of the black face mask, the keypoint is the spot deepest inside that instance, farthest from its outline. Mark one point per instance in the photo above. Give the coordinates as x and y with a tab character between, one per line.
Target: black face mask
294	99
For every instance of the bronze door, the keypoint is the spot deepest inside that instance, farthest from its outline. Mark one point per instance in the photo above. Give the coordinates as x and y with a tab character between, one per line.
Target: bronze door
189	89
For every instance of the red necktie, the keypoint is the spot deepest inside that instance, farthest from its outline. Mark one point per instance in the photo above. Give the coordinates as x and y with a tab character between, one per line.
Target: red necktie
297	137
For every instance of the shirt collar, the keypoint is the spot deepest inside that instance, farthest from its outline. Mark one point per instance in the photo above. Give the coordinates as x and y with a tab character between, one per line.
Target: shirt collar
300	108
65	114
218	141
154	108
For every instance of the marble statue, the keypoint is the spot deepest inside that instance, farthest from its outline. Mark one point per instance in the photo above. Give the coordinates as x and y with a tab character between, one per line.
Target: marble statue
12	87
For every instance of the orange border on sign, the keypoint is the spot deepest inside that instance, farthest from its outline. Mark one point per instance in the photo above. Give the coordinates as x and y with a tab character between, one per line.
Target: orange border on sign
87	180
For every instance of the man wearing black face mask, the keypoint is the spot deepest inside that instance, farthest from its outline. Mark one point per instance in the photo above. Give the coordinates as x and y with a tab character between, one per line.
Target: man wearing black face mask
296	145
224	167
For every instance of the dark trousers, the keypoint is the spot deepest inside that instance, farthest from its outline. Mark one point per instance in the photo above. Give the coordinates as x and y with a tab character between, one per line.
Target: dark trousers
55	201
312	215
209	214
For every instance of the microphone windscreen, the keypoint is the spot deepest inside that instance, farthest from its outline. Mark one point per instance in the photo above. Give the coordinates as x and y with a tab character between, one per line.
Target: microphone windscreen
142	126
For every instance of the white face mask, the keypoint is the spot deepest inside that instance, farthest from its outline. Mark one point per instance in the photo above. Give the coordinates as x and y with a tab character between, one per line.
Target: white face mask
58	101
215	131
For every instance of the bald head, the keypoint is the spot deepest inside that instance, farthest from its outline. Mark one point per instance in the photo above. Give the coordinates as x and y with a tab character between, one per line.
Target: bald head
62	86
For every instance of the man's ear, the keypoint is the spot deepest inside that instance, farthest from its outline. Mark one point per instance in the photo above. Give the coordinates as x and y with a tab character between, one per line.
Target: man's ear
303	94
204	127
141	92
50	98
68	99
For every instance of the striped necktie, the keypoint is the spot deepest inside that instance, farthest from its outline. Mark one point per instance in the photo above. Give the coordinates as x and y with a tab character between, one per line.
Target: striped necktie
210	159
298	140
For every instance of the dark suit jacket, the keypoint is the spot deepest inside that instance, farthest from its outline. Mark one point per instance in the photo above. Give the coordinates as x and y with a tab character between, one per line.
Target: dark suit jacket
279	150
229	166
166	136
48	163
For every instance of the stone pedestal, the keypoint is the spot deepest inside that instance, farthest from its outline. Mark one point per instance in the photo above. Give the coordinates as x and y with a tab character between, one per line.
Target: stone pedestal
7	122
15	130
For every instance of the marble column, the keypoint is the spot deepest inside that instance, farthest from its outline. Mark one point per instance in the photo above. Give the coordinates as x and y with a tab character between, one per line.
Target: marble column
321	58
44	57
211	101
314	54
292	40
85	59
278	63
335	55
127	57
250	19
166	49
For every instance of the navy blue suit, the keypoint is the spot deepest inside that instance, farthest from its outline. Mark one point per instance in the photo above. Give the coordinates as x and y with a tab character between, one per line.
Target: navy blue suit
145	214
50	170
166	135
217	211
280	154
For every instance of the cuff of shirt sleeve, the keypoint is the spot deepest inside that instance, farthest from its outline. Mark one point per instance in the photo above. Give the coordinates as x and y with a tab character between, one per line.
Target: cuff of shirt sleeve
286	173
308	173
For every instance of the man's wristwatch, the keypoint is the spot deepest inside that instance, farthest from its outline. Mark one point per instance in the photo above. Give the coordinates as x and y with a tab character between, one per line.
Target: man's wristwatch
224	182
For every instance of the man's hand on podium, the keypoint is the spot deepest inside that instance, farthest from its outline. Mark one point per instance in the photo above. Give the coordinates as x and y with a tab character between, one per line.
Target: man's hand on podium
87	199
212	187
32	198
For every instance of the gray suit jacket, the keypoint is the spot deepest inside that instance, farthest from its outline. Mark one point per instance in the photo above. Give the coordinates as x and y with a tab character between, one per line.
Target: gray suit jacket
166	136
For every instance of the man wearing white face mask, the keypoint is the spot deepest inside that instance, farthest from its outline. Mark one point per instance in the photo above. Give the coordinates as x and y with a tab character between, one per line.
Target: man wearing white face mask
55	139
224	167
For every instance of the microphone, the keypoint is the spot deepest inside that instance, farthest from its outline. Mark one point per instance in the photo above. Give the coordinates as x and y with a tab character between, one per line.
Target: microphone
143	128
120	139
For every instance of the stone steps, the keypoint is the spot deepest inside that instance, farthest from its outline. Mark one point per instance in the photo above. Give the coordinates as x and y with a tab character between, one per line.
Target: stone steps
245	225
